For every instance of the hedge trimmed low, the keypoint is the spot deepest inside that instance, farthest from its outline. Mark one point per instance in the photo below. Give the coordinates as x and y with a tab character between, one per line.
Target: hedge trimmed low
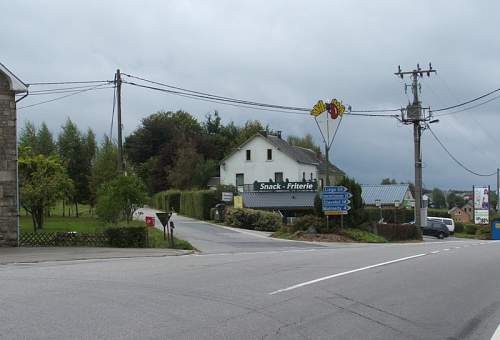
127	237
253	219
399	232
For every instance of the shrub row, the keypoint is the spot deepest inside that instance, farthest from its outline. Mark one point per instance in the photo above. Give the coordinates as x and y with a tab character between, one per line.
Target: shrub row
253	219
398	232
197	204
167	200
127	237
403	215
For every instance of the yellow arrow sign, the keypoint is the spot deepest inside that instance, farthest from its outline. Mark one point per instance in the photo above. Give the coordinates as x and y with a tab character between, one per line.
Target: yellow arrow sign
318	109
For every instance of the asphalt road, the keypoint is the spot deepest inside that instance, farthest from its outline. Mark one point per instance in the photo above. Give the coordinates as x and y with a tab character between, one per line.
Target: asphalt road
435	290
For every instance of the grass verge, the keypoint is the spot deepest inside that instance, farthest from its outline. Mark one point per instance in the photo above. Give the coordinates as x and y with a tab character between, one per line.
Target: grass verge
362	236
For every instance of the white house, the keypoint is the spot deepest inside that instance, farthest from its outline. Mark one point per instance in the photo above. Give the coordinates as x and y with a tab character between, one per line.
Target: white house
266	157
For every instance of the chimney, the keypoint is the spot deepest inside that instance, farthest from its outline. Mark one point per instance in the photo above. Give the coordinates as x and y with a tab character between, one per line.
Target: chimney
278	133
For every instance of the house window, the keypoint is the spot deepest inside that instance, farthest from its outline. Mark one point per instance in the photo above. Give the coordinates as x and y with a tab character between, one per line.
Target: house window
269	154
304	176
249	155
240	180
278	177
311	176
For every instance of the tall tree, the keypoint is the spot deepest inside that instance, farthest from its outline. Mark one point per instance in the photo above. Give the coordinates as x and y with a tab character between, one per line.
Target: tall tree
73	152
45	141
454	200
104	167
438	198
304	142
28	137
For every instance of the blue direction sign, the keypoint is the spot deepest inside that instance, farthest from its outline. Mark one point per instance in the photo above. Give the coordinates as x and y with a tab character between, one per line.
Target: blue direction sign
336	200
333	189
337	208
337	196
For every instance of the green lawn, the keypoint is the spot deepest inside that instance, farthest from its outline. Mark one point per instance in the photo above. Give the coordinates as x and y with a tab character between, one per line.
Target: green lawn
91	225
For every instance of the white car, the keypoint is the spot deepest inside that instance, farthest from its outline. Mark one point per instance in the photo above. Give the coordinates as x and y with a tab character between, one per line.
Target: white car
448	221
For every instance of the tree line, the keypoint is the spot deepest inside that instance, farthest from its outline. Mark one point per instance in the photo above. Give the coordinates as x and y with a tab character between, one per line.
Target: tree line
167	150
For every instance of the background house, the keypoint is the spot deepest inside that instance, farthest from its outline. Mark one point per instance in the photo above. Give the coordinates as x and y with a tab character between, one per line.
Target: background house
266	157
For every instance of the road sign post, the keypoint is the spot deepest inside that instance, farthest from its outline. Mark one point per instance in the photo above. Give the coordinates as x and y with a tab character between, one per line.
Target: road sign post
335	200
164	218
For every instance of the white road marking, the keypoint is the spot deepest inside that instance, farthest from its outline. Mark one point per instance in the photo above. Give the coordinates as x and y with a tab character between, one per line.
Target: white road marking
307	283
457	247
435	252
496	335
446	249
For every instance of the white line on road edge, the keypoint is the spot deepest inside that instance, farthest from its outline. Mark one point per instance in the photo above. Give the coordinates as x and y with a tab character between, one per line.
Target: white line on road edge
345	273
496	335
435	252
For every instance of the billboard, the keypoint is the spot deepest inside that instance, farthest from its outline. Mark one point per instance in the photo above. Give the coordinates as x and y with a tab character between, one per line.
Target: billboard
481	204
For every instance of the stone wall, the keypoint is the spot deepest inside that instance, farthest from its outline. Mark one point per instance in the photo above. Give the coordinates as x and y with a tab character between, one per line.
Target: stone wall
8	165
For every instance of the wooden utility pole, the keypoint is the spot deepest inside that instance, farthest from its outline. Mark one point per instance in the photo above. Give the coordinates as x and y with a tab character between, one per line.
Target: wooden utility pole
415	116
118	82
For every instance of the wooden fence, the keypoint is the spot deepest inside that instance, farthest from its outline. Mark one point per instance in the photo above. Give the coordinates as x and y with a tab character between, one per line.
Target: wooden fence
63	239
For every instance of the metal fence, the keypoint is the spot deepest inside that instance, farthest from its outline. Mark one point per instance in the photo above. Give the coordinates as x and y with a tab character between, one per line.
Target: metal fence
62	239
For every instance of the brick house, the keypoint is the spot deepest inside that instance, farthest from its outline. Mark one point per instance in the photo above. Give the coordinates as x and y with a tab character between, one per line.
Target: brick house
10	85
463	214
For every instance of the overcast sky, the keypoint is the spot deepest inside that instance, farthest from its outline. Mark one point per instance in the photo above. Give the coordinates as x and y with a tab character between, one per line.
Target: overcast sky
282	52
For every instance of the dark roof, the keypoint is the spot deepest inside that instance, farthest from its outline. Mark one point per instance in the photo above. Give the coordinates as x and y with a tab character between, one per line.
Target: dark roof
301	155
278	200
213	181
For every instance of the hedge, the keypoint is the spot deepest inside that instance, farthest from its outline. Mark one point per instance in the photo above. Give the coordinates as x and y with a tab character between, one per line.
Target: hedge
398	232
253	219
470	229
197	204
167	200
403	215
127	237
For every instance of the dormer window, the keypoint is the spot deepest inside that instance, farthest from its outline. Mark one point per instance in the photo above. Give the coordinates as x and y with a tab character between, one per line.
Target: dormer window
249	155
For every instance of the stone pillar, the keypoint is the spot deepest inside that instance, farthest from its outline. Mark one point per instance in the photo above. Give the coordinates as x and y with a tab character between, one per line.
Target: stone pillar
8	164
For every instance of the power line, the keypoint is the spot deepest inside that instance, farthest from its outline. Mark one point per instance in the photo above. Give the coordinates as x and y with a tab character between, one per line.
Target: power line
36	93
467	102
61	89
71	82
112	115
206	95
62	97
467	108
455	159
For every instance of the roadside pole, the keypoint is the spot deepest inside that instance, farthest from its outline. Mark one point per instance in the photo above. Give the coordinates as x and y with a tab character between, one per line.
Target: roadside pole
118	82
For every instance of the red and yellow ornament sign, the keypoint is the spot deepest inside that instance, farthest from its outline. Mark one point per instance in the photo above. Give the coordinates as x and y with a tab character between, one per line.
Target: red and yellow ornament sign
335	108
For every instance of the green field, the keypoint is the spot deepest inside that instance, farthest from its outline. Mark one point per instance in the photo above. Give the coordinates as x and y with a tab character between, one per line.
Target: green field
87	224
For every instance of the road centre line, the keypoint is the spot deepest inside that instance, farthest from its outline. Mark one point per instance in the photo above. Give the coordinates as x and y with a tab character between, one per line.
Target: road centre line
307	283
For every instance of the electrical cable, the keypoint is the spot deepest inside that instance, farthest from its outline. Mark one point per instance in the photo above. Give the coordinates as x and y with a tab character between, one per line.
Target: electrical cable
36	93
112	115
62	97
71	82
455	159
467	108
206	95
467	102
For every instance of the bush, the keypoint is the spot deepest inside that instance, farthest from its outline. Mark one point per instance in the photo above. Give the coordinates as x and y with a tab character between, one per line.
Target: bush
483	232
470	229
127	237
253	219
399	232
305	222
118	198
197	204
362	235
459	227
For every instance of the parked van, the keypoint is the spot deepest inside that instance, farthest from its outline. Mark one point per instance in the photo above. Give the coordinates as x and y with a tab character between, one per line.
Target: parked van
448	221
